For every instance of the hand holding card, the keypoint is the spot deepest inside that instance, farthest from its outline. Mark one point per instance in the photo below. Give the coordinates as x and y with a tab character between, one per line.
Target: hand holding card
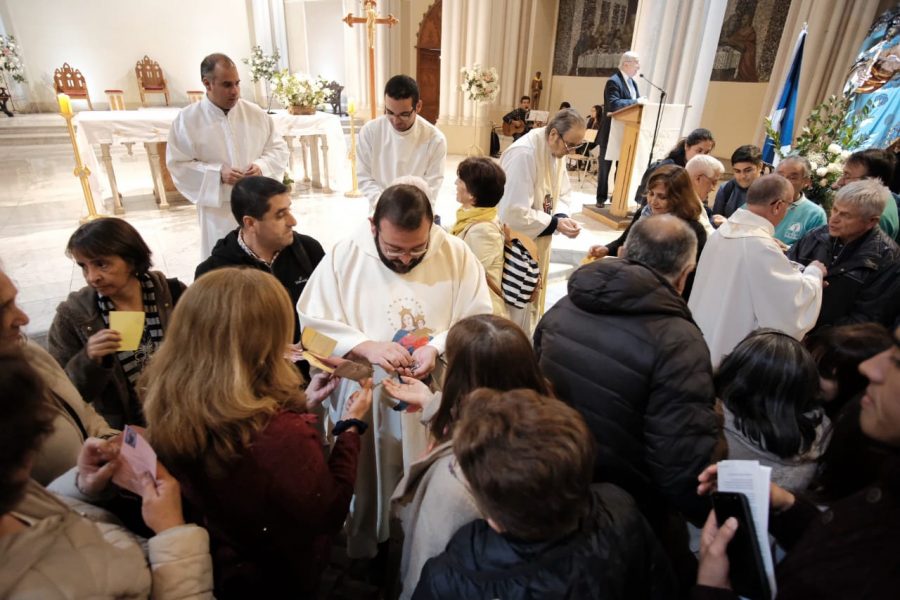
130	325
317	347
136	459
97	462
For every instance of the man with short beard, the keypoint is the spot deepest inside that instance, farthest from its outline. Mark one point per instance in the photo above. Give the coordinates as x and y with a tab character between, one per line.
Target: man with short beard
388	295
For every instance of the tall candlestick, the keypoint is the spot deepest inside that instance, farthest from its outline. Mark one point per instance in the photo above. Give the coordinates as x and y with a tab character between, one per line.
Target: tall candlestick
354	193
81	171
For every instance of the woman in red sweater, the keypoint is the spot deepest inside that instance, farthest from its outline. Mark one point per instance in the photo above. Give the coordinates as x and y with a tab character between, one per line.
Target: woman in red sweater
225	412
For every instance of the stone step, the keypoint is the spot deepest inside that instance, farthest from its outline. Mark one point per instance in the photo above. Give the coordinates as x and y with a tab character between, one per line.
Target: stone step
33	139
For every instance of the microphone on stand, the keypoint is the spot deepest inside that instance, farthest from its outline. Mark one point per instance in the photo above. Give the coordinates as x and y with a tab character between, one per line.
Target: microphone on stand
662	103
641	75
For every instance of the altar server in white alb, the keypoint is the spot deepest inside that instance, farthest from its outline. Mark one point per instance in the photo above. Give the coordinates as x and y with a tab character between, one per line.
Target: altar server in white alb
400	143
218	141
744	281
388	295
536	197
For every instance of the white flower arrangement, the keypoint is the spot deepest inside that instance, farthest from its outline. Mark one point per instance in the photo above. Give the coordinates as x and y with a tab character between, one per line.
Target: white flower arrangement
10	61
824	141
480	85
262	67
298	89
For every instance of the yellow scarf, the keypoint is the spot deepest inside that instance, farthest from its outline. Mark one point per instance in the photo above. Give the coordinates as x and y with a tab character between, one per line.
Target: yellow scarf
466	217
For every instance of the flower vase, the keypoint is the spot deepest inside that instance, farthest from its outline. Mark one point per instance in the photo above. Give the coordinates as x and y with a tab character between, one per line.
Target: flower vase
298	109
475	149
270	97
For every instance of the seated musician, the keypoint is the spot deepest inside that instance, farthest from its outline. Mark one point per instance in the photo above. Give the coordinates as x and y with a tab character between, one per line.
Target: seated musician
515	123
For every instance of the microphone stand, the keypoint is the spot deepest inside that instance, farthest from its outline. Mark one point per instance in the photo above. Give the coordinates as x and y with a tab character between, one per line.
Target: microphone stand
662	104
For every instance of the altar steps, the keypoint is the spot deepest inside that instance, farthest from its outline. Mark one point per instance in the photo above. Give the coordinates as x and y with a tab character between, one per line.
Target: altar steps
32	130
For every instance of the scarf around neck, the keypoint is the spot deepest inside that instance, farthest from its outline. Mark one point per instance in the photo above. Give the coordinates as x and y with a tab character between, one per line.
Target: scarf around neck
466	217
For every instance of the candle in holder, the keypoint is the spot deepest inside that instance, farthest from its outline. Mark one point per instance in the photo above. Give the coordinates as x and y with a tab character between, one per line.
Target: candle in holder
353	193
65	104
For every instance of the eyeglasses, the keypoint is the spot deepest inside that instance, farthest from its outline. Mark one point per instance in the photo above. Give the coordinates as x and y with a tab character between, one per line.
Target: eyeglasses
404	115
397	254
569	147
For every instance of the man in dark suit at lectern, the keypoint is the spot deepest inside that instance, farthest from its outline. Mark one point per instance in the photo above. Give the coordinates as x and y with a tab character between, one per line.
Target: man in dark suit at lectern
621	90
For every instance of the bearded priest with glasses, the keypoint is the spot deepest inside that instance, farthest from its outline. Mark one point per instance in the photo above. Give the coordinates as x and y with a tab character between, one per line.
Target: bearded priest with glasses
388	295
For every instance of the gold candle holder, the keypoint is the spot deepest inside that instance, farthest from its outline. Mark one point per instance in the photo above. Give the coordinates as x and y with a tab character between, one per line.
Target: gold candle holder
354	193
81	171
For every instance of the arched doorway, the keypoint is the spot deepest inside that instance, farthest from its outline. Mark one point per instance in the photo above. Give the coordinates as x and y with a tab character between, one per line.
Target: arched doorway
428	62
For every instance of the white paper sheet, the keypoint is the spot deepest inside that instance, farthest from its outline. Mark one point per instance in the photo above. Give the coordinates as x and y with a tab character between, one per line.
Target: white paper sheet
748	477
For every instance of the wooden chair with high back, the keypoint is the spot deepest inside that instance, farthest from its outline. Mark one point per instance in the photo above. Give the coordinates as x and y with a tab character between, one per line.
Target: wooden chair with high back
70	82
195	95
150	79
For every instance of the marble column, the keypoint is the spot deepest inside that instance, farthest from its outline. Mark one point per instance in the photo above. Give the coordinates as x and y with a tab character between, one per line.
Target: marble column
677	45
488	34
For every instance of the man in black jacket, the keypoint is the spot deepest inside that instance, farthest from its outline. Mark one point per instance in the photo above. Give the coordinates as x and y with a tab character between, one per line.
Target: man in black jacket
620	92
863	280
548	533
623	350
265	238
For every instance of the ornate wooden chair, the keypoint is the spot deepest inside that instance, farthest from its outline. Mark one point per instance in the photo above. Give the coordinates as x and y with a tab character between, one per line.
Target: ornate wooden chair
334	97
69	81
150	79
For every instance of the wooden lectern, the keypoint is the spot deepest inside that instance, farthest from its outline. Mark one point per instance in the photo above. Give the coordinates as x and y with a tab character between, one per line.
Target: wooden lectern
617	215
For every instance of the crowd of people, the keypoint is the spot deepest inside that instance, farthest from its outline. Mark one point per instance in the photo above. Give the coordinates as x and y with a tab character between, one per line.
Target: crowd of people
465	446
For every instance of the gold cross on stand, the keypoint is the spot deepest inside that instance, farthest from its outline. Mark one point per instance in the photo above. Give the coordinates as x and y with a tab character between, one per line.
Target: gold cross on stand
371	20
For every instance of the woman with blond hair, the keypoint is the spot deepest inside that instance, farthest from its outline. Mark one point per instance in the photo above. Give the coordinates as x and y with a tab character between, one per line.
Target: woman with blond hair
226	414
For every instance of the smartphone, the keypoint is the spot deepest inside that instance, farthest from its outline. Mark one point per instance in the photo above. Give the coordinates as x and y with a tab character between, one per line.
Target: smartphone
746	569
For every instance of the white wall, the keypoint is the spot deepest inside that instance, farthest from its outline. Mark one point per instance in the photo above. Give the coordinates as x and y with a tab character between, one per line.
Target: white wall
105	38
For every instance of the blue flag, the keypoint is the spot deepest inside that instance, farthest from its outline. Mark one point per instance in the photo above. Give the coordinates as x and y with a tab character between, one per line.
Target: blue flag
784	111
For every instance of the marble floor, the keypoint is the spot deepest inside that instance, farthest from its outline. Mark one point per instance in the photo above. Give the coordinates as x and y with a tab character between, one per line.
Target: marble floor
41	202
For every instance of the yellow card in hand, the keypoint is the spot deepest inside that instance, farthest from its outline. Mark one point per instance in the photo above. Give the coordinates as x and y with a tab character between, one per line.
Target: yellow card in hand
315	346
130	325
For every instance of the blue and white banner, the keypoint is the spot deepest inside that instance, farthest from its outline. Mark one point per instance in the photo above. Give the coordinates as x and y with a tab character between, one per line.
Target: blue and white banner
784	112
